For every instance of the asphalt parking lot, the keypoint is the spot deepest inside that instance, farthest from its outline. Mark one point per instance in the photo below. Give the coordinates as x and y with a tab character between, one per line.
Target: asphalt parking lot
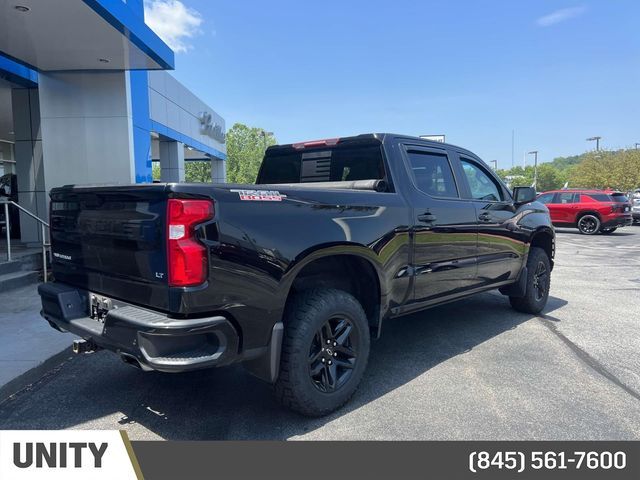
473	370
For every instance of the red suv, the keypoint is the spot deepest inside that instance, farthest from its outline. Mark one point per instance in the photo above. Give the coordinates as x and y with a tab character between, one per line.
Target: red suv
590	211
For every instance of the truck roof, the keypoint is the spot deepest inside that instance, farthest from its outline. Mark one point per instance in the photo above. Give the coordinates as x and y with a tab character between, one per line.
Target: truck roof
363	138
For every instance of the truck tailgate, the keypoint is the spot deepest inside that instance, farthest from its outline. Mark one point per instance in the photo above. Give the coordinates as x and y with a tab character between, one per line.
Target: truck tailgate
111	240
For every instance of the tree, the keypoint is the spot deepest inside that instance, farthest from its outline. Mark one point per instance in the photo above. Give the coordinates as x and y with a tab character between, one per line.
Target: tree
627	170
198	171
517	176
619	170
245	150
548	178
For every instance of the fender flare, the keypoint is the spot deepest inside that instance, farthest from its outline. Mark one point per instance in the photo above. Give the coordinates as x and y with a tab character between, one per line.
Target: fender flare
331	250
266	366
545	230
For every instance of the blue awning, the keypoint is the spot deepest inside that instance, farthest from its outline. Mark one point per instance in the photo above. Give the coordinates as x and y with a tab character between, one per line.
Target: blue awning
17	73
64	35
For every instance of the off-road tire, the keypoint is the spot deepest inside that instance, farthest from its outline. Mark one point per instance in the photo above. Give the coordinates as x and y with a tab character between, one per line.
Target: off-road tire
305	316
538	270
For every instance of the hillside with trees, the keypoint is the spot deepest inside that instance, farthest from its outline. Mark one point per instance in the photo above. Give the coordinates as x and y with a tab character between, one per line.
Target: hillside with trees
619	170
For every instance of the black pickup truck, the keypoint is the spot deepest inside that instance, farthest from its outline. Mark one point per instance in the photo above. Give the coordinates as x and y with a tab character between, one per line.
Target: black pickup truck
294	275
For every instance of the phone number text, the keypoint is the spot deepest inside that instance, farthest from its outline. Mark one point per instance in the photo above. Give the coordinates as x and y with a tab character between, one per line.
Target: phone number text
520	461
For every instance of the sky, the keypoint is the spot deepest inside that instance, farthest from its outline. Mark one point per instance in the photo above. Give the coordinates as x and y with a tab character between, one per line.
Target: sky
553	72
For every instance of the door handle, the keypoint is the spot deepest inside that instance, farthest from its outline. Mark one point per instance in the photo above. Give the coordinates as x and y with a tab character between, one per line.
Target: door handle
484	217
427	217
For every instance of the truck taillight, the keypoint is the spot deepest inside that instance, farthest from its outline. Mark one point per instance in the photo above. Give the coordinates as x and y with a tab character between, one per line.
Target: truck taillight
327	142
186	257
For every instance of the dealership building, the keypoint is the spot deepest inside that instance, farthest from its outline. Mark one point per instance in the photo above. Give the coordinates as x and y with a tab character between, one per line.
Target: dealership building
86	97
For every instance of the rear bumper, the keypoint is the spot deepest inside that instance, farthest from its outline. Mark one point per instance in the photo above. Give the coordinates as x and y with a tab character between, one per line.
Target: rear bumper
145	338
618	221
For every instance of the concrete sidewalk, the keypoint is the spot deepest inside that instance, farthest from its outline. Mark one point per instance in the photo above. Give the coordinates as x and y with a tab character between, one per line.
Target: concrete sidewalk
29	347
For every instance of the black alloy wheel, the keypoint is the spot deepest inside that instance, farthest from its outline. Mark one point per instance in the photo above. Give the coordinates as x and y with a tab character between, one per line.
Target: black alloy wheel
333	355
588	224
540	281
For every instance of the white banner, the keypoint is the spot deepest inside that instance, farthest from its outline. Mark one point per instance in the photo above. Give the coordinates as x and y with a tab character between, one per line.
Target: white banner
66	455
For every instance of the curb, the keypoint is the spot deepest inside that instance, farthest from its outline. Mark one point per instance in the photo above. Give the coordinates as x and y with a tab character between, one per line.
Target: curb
34	375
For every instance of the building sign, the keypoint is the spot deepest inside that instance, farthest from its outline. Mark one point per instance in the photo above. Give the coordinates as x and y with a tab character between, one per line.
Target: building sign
210	128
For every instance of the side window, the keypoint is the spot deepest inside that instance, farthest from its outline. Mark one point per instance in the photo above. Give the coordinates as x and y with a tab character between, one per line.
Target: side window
568	197
482	186
432	173
546	198
597	197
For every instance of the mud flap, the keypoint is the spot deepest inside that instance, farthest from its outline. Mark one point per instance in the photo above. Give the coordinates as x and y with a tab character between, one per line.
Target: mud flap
266	367
518	289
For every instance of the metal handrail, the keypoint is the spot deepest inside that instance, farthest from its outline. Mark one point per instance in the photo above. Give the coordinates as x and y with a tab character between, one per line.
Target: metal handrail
44	225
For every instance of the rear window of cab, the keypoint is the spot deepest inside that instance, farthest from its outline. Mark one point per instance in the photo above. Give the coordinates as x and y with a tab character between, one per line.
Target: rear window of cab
327	165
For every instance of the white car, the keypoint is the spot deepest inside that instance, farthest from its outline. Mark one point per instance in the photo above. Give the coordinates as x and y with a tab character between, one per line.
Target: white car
635	209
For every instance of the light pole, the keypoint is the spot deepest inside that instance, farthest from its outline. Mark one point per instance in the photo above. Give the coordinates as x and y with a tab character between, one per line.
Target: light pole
513	147
597	140
535	168
264	135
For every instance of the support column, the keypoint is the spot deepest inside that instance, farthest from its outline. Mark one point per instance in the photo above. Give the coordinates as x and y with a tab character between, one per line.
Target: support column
141	125
139	82
218	170
171	161
87	128
29	168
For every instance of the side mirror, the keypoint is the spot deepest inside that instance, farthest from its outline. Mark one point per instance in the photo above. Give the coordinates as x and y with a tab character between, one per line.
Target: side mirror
524	195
